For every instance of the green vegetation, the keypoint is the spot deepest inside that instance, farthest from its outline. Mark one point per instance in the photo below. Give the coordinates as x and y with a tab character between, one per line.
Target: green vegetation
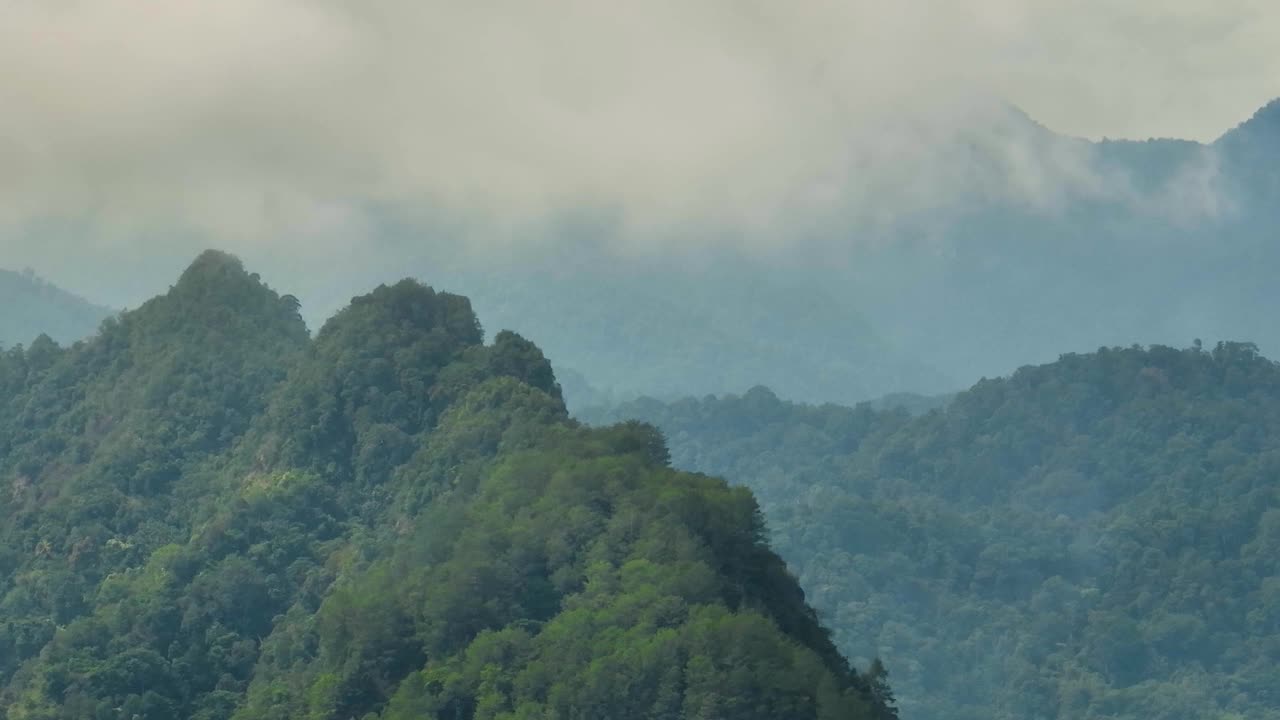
207	514
1094	538
31	307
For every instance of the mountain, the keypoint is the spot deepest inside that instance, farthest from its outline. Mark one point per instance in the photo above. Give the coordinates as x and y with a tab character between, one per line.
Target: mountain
33	307
963	247
1156	241
984	243
1000	244
209	514
677	328
1097	537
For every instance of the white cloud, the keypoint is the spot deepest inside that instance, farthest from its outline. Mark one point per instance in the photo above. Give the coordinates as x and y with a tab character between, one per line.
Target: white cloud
257	120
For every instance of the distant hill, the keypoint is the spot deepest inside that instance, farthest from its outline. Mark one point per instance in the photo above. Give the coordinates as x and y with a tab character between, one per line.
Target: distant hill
1039	244
30	307
996	245
661	328
209	514
1098	537
1157	241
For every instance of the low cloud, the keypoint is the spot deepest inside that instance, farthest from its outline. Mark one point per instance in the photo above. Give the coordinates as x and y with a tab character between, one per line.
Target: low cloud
296	124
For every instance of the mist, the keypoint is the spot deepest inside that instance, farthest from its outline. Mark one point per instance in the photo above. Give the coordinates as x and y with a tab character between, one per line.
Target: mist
290	131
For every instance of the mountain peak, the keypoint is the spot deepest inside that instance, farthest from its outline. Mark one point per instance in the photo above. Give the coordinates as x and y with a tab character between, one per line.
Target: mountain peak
213	267
406	310
217	283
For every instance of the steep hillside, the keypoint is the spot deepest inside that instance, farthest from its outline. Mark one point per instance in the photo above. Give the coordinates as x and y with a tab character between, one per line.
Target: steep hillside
209	515
32	307
1093	538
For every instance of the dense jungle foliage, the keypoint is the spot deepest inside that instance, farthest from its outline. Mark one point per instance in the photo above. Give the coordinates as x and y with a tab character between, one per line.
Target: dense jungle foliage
207	514
1094	538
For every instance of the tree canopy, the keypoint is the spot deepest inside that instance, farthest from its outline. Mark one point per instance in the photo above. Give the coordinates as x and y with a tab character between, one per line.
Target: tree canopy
1093	538
208	514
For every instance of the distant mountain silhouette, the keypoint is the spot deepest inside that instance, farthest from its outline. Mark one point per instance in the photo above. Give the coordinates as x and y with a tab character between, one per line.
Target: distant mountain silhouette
30	307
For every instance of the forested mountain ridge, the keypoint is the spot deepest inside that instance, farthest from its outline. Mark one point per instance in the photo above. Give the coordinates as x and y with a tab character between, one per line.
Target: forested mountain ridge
208	514
31	307
1093	538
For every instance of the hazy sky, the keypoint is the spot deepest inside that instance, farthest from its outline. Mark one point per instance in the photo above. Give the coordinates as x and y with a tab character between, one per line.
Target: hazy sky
248	121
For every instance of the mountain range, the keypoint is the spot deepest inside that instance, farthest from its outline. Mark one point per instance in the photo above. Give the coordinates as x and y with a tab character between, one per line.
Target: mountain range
1055	245
998	244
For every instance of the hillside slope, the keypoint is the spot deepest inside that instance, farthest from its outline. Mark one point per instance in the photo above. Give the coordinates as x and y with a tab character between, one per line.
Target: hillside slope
32	307
209	515
1093	538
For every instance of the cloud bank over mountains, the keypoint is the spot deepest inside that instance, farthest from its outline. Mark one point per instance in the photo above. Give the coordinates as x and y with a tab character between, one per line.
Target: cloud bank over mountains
294	127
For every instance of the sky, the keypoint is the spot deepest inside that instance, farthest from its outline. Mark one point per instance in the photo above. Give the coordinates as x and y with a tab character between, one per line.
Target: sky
288	128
